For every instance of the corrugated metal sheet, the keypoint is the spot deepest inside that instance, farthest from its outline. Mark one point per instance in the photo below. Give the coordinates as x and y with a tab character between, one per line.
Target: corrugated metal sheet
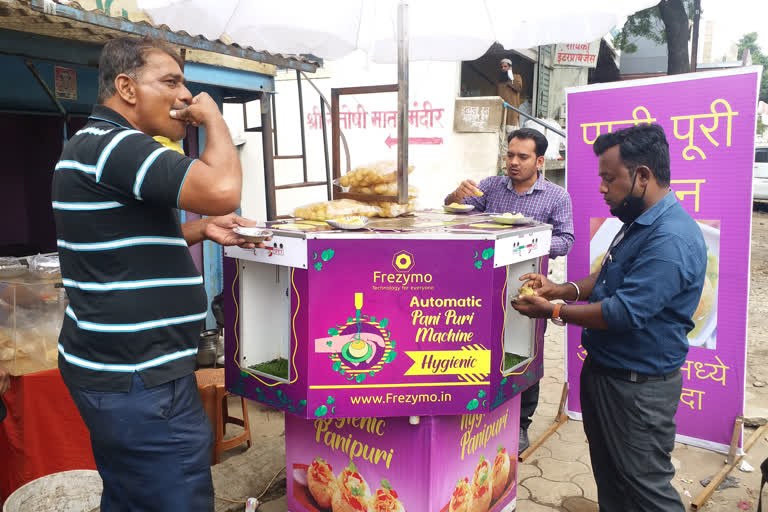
70	21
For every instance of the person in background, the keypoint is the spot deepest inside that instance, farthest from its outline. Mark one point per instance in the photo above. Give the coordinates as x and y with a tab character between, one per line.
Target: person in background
526	107
128	343
524	190
508	87
635	326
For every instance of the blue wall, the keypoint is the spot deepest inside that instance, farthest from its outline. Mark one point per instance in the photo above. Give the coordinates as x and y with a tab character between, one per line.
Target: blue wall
19	89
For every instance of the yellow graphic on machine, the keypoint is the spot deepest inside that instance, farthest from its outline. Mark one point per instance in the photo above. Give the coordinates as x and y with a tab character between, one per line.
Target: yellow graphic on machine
403	261
359	349
402	279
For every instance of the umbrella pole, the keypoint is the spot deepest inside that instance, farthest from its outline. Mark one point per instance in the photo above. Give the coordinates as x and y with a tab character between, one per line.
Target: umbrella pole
402	103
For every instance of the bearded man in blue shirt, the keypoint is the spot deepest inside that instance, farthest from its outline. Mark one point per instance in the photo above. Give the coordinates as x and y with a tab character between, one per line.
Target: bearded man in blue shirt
638	315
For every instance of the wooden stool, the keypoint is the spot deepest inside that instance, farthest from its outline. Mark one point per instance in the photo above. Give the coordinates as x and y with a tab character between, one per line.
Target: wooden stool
210	384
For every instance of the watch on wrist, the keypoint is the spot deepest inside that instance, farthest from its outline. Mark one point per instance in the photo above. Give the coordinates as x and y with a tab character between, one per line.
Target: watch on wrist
556	318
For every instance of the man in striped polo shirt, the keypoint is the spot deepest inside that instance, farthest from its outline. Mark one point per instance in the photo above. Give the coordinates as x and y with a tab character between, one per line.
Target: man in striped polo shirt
128	345
524	190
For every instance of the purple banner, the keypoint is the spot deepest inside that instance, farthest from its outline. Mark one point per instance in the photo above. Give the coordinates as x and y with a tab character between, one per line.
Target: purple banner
459	463
709	119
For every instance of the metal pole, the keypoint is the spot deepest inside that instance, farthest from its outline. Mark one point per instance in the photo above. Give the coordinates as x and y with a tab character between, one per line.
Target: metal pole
48	91
269	160
537	121
327	106
301	125
328	176
695	43
539	58
335	139
273	104
402	103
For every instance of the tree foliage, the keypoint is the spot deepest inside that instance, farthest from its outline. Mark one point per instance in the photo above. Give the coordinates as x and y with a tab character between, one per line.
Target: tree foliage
666	23
749	41
648	24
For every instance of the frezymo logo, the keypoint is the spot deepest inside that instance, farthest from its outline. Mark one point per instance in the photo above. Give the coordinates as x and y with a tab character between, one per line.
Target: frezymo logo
403	261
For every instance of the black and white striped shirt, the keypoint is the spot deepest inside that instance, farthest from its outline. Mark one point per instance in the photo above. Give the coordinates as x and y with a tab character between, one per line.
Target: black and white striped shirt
136	297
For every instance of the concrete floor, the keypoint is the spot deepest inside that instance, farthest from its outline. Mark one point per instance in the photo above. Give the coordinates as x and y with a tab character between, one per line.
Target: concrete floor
245	472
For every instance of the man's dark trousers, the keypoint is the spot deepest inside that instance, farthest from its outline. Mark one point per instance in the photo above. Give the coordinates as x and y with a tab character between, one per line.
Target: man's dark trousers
630	428
529	400
152	446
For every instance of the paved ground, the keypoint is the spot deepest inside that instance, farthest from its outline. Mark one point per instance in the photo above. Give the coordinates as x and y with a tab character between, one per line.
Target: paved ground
558	476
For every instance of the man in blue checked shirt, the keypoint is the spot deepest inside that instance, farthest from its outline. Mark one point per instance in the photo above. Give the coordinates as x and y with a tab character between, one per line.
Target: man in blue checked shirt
128	343
524	190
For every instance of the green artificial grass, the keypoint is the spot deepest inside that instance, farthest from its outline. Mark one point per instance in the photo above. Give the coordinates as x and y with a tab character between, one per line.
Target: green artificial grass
276	367
511	360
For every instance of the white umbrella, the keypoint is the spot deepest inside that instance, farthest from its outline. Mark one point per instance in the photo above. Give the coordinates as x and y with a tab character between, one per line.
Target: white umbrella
442	30
389	31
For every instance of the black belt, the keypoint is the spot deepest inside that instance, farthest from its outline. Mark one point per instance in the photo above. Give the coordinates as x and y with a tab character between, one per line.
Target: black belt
628	375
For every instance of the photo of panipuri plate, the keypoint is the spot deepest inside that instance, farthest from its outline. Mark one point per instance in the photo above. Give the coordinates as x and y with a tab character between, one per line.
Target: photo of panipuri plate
704	333
461	500
302	493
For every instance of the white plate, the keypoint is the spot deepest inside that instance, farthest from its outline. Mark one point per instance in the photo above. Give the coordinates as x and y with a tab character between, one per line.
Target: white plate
500	219
253	234
452	209
350	222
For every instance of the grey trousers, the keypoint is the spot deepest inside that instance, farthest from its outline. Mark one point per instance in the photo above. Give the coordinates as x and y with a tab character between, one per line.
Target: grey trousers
631	428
